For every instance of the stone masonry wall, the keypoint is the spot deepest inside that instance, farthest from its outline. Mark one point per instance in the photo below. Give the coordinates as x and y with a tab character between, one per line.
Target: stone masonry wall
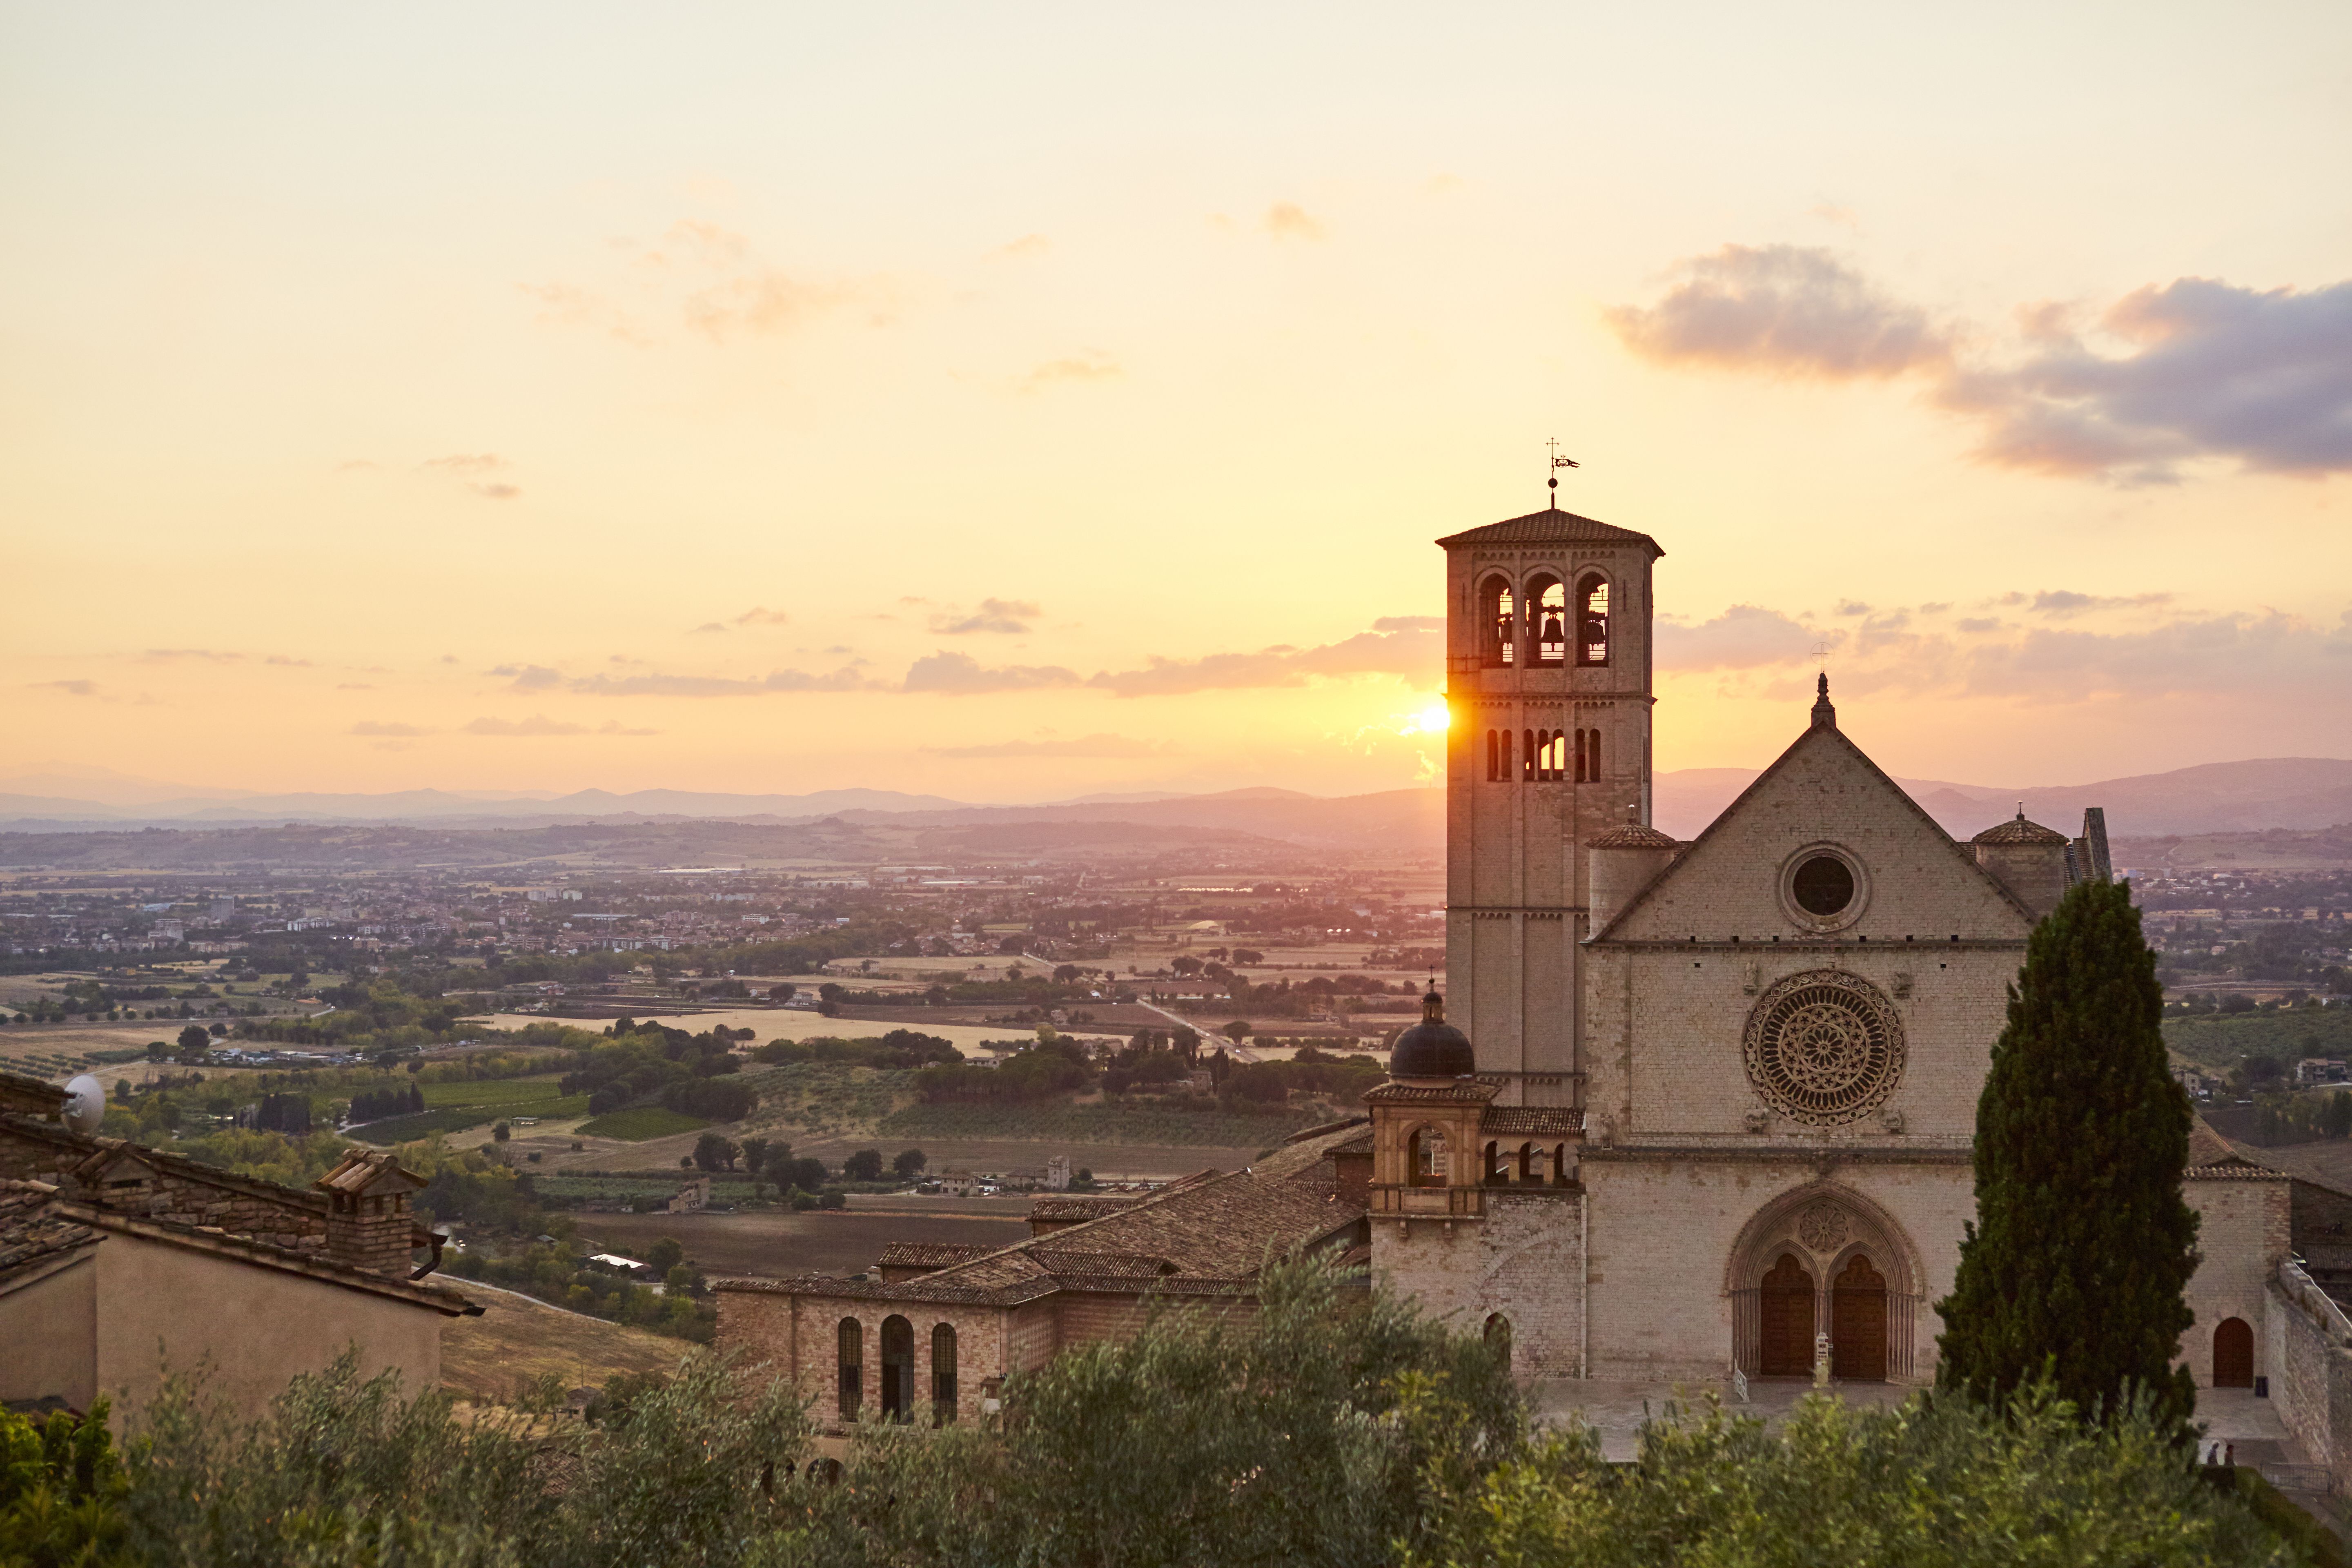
2307	1346
2241	1235
1525	1260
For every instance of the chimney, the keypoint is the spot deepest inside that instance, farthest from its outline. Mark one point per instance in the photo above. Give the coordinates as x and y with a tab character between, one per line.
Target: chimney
368	1221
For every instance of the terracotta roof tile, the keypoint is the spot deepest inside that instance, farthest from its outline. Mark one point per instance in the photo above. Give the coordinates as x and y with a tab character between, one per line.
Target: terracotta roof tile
1538	1120
2020	831
32	1232
1551	526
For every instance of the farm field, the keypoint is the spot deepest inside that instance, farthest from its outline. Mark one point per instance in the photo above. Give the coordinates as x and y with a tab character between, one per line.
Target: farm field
793	1024
642	1122
778	1244
2218	1041
486	1359
464	1104
1100	1123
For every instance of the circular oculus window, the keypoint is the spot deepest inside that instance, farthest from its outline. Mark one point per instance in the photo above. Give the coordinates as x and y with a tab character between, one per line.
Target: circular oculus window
1823	888
1824	1047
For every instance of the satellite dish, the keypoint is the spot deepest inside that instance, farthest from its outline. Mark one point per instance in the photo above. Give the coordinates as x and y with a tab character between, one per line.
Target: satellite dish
85	1105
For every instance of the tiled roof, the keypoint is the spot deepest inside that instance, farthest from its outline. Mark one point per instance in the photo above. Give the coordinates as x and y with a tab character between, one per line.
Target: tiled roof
1634	836
930	1254
1536	1121
1076	1211
33	1234
2020	831
1551	526
1206	1235
1464	1090
315	1263
29	1096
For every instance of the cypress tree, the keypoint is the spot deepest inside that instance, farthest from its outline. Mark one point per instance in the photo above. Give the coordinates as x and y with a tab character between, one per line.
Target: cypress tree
2081	1242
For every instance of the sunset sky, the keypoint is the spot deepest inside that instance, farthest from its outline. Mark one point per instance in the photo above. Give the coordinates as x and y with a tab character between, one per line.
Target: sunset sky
1015	402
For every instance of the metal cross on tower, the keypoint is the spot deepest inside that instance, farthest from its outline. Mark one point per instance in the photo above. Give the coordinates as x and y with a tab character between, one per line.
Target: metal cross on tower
1558	463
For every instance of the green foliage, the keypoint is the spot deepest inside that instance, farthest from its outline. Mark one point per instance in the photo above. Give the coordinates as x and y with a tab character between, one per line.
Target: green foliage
1192	1123
2082	1243
642	1122
61	1492
898	1048
1938	1483
1040	1072
424	1124
1306	1434
2217	1041
346	1470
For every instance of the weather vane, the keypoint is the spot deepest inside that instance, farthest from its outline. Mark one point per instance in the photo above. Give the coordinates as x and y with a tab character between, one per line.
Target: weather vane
1558	463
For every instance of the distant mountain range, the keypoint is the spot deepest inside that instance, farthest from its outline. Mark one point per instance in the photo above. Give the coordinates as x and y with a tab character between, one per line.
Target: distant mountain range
2213	797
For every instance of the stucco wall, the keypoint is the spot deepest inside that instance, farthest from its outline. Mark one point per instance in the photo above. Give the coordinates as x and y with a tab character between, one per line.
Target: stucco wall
48	1336
258	1326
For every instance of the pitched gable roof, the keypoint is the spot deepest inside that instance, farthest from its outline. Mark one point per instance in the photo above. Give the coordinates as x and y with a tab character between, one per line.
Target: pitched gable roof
1822	732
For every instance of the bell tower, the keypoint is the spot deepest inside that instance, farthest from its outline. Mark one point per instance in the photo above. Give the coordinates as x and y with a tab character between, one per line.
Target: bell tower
1548	683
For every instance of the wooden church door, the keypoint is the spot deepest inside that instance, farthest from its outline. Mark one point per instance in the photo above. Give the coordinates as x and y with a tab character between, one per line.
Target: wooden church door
1858	1324
2233	1353
1787	1302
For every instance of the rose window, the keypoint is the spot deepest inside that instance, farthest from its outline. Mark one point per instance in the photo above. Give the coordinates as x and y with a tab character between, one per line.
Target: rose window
1824	1047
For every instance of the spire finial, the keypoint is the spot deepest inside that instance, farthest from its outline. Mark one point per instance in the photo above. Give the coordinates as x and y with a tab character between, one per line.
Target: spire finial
1824	715
1433	1005
1558	463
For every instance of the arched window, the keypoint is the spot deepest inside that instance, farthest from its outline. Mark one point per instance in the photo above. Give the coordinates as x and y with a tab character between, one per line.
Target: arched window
1510	757
1548	621
1593	620
1527	756
898	1369
853	1368
1425	1159
1588	764
1499	615
1528	1158
1494	756
1494	1171
1551	756
943	1375
1559	1165
1498	1338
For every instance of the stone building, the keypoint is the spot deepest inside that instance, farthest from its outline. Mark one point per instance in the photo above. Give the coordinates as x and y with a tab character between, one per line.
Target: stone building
1710	1100
931	1332
117	1259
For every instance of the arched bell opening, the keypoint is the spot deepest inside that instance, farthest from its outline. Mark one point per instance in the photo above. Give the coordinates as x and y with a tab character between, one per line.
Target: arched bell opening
1593	620
1547	621
1498	621
849	1391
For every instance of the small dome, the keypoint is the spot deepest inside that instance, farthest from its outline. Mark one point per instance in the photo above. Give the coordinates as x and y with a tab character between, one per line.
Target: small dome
2020	831
1433	1047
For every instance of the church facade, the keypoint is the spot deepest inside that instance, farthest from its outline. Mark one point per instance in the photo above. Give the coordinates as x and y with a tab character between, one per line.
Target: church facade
1708	1107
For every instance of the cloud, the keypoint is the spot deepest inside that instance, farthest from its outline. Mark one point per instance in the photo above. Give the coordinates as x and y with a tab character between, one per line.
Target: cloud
758	616
529	677
209	656
1092	365
353	686
394	731
1979	624
1085	746
537	725
2066	601
1288	220
289	663
1416	653
1009	616
615	727
843	679
748	297
2197	369
1744	637
960	675
2209	370
476	471
1790	309
70	688
1830	212
1410	624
